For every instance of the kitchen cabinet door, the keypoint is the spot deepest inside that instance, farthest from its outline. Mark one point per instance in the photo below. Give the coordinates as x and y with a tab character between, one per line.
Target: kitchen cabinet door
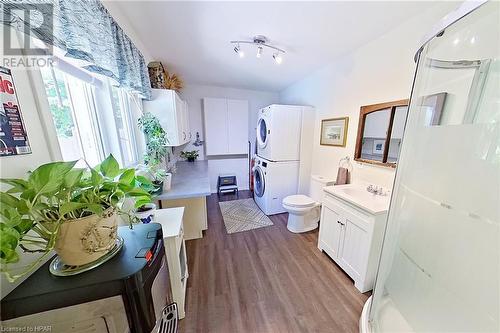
330	231
237	115
216	126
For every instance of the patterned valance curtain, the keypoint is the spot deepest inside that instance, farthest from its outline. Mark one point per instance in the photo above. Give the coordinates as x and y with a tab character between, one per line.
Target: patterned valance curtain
86	33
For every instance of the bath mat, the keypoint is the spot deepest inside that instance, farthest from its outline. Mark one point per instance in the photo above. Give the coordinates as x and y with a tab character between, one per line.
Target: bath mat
243	215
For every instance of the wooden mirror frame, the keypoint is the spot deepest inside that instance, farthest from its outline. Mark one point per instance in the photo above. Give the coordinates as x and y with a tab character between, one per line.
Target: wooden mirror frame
364	111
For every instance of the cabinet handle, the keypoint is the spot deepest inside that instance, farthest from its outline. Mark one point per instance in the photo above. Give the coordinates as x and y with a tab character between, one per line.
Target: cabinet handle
341	223
184	133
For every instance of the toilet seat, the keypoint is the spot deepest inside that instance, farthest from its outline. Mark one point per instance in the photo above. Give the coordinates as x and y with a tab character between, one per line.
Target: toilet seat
299	201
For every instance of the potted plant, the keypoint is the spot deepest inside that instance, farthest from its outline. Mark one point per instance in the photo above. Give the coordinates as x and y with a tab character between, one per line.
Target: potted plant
67	209
190	156
156	139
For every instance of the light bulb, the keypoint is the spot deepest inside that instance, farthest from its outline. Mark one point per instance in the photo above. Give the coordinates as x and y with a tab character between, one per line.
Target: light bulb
238	50
259	51
241	54
277	57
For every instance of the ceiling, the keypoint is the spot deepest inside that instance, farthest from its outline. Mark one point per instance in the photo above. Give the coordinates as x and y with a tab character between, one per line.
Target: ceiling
192	38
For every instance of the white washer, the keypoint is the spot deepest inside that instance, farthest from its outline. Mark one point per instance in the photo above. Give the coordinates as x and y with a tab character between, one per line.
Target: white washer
274	181
278	132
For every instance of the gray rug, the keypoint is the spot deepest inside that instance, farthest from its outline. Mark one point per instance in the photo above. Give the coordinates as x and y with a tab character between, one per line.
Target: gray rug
243	215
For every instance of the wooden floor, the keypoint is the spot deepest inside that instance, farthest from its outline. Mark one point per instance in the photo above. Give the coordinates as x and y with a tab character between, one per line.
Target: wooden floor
265	280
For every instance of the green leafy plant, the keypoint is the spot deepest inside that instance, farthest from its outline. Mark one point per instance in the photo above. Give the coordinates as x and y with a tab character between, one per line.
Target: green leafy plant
190	155
156	139
33	209
155	173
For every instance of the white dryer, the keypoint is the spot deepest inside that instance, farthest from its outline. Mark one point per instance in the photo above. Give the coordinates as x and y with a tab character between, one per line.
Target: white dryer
273	181
278	132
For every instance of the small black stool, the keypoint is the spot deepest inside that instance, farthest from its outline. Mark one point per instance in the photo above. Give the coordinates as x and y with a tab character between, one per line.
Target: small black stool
227	183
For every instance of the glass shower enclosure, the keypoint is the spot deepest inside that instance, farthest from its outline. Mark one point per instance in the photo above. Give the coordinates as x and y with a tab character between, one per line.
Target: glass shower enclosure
440	263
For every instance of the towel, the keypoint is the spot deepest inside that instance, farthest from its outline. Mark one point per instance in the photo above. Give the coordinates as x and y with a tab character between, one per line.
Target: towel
342	176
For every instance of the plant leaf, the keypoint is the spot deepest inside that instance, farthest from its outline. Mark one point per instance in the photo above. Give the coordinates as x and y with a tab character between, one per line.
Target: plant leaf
69	207
127	177
8	200
18	185
49	177
9	238
73	177
110	167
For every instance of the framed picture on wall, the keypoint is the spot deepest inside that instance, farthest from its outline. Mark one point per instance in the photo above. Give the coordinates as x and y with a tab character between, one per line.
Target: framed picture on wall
378	147
334	131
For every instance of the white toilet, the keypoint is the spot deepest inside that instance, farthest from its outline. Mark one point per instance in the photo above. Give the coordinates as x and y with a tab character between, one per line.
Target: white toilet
304	211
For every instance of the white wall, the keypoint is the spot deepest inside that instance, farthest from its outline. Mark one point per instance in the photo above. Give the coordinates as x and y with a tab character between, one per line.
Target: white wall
380	71
194	95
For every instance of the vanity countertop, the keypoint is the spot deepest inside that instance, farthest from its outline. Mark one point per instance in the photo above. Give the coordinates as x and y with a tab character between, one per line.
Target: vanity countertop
189	181
357	195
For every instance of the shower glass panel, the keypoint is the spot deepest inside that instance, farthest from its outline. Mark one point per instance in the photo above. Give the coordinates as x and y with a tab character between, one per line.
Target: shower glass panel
439	269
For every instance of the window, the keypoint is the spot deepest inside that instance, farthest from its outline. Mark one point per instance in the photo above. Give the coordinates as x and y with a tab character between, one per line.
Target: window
92	118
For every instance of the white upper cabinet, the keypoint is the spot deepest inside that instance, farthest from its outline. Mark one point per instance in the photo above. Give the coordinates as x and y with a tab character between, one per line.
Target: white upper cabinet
172	112
226	126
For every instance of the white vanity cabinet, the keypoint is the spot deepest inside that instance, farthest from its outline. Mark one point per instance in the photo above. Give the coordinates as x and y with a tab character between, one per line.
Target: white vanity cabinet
172	112
352	237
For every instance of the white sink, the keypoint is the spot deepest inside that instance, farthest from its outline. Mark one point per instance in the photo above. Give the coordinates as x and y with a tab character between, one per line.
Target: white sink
357	195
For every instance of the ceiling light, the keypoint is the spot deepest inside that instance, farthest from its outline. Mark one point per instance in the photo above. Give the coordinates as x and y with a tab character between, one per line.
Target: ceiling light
277	57
259	51
238	50
260	42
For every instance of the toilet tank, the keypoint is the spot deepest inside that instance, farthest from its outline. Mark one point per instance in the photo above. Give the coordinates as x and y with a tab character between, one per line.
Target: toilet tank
316	187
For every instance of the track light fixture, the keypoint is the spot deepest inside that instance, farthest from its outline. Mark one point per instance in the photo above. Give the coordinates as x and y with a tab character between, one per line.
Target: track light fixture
239	51
260	42
277	58
259	51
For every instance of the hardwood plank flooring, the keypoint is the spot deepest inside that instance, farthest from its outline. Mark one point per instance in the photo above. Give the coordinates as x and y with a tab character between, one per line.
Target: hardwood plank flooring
265	280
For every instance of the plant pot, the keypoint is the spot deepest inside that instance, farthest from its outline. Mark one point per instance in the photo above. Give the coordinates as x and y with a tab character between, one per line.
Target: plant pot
191	159
167	183
159	186
145	213
84	240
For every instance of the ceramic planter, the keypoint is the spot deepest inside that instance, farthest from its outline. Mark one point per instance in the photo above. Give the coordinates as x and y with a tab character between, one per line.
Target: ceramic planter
167	183
84	240
146	213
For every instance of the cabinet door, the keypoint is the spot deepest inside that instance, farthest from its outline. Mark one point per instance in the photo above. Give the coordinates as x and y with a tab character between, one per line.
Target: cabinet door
330	231
186	126
237	114
354	246
180	119
216	125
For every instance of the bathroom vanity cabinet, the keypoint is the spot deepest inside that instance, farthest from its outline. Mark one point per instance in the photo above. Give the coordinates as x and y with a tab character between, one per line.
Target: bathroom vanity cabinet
351	234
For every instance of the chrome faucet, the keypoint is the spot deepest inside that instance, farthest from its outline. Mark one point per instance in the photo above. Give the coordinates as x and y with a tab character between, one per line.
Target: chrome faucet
375	190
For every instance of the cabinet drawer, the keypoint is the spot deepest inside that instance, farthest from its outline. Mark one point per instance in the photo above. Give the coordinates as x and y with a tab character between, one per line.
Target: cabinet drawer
360	218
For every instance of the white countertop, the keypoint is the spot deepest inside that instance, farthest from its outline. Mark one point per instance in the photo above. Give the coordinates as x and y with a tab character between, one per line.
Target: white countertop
189	181
170	220
357	195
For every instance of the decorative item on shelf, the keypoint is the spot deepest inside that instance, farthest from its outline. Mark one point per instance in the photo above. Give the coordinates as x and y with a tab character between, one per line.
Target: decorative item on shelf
334	131
145	213
261	43
161	79
198	142
67	209
190	156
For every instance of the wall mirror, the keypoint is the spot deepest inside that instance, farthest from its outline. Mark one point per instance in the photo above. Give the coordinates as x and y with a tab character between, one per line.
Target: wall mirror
380	131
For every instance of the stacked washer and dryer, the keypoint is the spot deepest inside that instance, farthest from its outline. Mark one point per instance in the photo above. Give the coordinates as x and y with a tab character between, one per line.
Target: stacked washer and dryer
282	167
284	151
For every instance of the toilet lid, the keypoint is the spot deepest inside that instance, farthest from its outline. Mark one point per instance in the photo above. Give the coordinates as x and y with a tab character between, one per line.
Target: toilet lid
299	200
